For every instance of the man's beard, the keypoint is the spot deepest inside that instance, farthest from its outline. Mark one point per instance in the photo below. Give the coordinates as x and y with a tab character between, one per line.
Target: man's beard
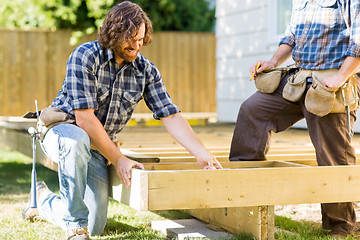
122	53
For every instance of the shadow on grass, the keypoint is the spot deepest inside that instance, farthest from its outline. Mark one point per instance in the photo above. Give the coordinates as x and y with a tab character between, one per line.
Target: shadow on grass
15	177
116	229
173	214
114	226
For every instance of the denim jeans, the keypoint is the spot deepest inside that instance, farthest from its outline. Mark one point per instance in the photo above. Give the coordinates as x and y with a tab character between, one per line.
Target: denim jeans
83	181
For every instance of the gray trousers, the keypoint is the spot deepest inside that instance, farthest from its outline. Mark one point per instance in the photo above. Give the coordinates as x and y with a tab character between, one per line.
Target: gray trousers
261	114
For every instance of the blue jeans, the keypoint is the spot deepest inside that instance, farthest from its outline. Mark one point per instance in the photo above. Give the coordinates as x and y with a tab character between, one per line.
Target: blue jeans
83	181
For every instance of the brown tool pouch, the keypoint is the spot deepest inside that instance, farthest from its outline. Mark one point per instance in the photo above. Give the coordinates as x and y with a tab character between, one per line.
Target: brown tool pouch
268	81
321	100
295	86
50	117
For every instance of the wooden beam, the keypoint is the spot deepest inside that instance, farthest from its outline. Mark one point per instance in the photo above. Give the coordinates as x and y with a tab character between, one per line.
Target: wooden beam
137	195
226	164
258	221
277	157
177	152
192	189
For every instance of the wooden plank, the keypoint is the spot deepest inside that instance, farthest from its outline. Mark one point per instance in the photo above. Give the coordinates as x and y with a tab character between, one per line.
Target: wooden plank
228	164
279	157
242	187
219	151
152	150
137	195
258	221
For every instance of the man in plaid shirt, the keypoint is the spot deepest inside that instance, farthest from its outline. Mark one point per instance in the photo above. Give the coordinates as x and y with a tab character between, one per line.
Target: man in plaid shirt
322	35
104	81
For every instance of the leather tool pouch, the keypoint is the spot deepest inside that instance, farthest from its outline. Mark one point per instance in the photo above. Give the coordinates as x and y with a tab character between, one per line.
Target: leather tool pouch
50	117
295	86
268	81
321	100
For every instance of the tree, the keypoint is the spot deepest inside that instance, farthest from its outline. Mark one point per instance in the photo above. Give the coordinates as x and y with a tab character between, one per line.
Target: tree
87	15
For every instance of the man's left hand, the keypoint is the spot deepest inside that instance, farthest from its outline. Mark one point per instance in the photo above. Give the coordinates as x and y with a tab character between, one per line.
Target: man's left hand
208	162
334	81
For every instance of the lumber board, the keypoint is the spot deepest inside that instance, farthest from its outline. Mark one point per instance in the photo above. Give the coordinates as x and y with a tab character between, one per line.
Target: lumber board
136	196
258	220
226	165
285	147
279	157
193	189
225	152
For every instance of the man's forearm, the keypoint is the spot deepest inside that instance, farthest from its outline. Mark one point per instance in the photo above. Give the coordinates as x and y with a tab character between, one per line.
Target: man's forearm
180	129
99	139
281	55
349	67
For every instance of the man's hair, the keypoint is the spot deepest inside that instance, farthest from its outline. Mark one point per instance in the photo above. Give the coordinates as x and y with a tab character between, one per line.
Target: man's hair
122	23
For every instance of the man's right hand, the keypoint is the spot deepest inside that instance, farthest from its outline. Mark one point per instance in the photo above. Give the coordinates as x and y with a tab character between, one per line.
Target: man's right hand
100	141
280	56
261	66
123	168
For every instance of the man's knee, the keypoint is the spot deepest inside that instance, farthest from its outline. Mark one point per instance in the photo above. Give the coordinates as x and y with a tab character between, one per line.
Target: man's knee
73	141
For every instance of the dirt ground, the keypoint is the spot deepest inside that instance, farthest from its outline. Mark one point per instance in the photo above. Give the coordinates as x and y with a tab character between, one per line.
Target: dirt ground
220	135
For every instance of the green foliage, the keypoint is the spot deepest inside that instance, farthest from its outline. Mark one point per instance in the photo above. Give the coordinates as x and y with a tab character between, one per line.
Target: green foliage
24	14
179	15
87	15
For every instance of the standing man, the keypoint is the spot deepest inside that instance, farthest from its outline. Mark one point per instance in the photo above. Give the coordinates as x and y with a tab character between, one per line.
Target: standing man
104	81
323	37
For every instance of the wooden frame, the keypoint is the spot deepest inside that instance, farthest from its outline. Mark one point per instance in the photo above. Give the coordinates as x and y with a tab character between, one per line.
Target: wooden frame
242	187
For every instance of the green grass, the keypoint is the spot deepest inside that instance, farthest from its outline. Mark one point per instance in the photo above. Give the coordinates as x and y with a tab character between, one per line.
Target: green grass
123	222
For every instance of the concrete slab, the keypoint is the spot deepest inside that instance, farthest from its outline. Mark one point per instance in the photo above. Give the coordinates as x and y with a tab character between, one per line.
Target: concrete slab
186	229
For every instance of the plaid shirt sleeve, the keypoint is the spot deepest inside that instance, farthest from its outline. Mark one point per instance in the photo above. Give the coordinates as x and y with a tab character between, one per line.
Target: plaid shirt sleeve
289	35
156	96
80	82
352	18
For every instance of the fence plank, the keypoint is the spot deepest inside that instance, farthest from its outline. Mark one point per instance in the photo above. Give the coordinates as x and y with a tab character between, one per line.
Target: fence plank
32	66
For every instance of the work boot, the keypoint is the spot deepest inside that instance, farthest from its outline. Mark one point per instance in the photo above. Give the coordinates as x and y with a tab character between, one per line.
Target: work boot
32	214
78	234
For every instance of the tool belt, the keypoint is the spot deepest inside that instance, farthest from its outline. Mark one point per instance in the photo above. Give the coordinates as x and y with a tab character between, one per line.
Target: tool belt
49	117
269	80
319	99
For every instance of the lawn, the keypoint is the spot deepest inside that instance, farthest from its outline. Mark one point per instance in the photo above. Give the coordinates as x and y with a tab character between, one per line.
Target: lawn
123	222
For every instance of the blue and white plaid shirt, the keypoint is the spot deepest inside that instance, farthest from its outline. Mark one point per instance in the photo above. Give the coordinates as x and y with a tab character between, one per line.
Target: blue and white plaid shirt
323	32
94	80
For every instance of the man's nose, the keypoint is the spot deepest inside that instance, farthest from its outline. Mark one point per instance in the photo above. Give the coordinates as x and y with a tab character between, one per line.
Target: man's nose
135	45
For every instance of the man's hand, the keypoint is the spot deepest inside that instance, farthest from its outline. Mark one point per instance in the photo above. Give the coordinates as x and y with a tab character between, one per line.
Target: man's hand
280	56
180	129
123	168
334	81
100	141
348	68
208	162
261	66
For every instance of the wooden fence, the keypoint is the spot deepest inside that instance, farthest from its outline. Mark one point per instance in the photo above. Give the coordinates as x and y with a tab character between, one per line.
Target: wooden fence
32	66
